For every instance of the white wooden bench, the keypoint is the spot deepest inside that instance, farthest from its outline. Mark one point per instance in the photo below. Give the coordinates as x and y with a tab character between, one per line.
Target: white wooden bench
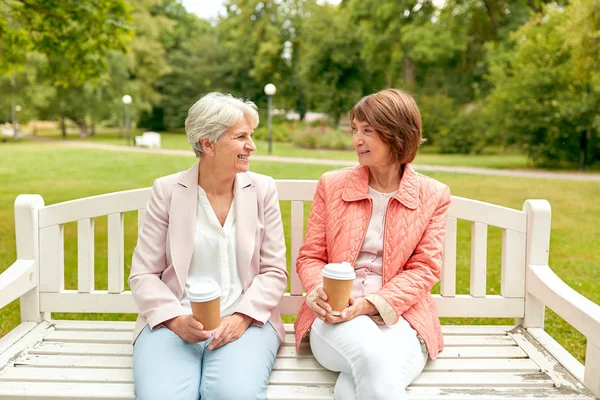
50	359
148	139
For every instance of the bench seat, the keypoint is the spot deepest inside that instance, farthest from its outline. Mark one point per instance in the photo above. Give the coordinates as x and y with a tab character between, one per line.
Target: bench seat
93	360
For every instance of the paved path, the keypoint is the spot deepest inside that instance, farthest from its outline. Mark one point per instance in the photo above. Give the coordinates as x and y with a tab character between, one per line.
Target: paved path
299	160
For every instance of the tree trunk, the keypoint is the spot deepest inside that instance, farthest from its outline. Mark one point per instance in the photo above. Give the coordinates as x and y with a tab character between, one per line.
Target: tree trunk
63	126
491	14
82	128
92	126
409	72
583	144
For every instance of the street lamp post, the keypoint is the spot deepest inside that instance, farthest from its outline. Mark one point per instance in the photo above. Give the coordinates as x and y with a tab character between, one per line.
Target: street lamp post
127	101
16	111
270	90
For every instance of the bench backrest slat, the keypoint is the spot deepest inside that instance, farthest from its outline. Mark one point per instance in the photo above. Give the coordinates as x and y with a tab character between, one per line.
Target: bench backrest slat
297	237
514	245
85	255
116	253
479	236
478	303
448	277
52	259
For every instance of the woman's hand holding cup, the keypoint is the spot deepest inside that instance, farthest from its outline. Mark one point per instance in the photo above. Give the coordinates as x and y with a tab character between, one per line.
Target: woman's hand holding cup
187	328
317	302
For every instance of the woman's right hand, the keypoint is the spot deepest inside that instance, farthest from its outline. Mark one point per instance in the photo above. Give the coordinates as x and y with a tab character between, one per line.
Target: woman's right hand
187	328
317	301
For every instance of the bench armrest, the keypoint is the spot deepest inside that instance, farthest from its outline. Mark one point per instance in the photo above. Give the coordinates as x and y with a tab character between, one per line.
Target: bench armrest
577	310
17	280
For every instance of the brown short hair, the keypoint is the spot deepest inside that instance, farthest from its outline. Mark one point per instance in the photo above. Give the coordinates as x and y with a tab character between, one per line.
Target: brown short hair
395	116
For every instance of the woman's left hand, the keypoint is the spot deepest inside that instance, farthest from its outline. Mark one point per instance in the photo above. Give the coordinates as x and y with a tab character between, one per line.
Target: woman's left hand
357	307
230	329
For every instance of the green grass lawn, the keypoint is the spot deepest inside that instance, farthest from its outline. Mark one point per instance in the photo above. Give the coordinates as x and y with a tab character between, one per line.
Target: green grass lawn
61	174
494	159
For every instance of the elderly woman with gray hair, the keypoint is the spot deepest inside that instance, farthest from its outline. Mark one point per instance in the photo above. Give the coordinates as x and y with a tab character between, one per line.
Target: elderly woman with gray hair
216	220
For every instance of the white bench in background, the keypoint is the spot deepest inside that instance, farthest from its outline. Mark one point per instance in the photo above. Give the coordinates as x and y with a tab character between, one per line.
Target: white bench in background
148	139
50	359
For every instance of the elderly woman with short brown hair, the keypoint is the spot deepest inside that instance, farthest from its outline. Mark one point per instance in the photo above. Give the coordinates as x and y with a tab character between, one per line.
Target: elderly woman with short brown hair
388	221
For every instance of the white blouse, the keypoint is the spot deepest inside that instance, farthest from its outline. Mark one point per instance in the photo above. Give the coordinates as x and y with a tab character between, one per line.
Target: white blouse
369	263
214	255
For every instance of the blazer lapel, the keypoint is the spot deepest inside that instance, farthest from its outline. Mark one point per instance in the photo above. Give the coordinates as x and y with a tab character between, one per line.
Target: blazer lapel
182	223
246	214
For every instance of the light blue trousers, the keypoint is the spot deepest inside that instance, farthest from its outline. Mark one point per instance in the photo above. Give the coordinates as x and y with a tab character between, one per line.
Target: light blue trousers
165	367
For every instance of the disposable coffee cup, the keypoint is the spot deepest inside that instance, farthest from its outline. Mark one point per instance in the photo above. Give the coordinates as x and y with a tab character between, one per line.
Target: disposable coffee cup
205	300
337	284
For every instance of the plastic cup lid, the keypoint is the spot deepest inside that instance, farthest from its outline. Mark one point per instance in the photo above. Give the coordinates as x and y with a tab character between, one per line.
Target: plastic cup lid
343	271
204	289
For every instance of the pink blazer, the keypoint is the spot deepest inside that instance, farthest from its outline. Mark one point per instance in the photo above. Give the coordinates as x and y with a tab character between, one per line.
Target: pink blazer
413	244
162	257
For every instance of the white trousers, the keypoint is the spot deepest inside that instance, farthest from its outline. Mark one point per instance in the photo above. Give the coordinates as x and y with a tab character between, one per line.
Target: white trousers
374	361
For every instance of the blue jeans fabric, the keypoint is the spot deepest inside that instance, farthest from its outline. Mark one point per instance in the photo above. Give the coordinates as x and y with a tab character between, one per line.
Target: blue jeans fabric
166	367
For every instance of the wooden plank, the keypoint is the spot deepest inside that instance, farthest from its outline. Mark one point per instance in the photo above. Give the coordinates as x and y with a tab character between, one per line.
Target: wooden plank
52	259
296	392
111	349
483	379
512	276
17	280
465	341
82	375
448	277
445	379
24	343
66	390
486	213
124	326
538	249
89	337
311	378
492	306
503	352
548	365
15	335
116	251
462	330
125	337
69	362
476	393
95	206
89	349
296	189
582	313
284	364
85	255
99	301
476	329
478	259
297	239
124	391
561	355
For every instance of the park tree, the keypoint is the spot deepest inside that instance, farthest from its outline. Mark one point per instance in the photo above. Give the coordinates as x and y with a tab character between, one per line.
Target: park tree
195	63
330	65
257	37
75	36
547	85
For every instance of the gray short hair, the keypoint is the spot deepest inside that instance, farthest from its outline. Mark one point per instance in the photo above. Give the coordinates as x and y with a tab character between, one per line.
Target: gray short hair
213	114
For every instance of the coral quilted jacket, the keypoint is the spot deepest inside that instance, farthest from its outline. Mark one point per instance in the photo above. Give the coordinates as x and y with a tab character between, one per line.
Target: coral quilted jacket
415	225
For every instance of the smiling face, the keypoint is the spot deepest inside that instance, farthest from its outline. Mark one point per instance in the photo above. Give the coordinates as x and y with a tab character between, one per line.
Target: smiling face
232	150
370	149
